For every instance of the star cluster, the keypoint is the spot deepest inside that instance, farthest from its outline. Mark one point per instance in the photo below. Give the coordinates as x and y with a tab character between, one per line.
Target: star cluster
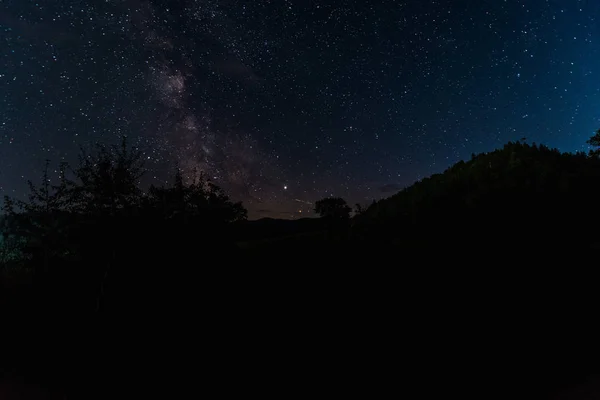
285	102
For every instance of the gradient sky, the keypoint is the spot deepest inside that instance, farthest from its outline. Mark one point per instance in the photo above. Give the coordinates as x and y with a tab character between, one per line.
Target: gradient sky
284	102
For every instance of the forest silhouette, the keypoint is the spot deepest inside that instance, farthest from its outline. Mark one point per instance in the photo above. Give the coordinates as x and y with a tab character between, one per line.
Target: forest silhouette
95	268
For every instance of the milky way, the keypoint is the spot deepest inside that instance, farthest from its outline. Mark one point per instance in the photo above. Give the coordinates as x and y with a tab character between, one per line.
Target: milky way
285	102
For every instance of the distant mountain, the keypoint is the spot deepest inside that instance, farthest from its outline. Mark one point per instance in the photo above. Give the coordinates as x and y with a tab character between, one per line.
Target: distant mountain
518	195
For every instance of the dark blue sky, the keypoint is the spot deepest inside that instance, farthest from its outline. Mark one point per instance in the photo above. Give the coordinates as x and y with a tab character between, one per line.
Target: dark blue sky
285	102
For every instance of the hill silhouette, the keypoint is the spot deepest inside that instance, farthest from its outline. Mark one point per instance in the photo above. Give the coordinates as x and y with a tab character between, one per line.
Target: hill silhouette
520	198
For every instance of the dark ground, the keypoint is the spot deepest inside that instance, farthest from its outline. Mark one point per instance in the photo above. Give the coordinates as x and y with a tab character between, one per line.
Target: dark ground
313	314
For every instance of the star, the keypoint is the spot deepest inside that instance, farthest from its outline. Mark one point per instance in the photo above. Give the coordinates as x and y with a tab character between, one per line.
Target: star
342	97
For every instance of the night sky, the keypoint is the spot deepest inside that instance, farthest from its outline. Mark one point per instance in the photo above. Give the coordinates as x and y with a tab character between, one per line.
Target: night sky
285	102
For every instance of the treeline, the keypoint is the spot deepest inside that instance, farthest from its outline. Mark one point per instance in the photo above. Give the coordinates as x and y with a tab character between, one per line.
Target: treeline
520	196
96	217
96	243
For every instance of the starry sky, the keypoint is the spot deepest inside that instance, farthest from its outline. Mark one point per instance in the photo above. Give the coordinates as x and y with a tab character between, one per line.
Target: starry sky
284	102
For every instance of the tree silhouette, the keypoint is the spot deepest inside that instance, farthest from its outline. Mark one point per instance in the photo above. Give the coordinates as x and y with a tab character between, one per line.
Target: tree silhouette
358	209
595	141
37	225
11	246
333	208
100	215
200	199
108	179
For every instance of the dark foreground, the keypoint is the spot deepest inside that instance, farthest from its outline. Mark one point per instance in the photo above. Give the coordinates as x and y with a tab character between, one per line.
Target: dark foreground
287	320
